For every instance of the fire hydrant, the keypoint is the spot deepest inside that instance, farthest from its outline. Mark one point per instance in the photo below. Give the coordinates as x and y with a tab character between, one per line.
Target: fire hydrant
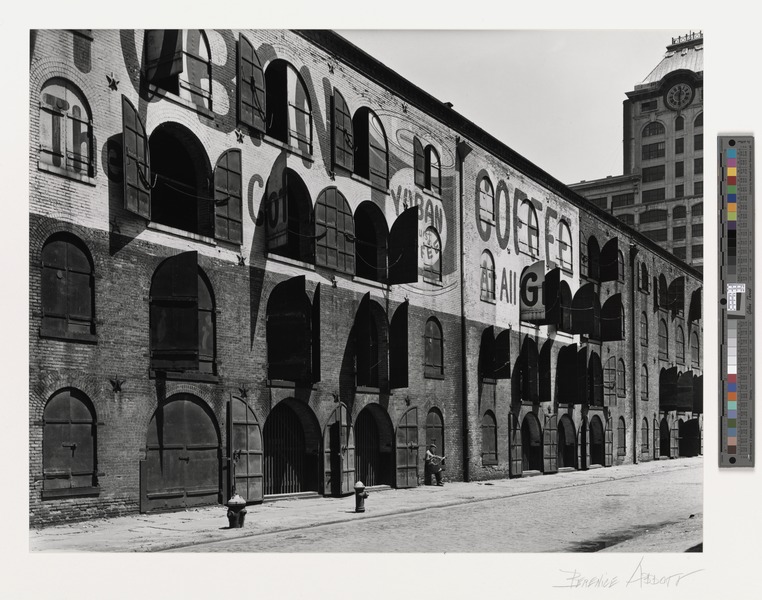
360	495
236	511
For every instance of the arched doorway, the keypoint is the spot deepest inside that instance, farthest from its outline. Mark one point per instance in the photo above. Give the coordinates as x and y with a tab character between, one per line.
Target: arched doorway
566	447
531	444
182	464
435	430
690	438
664	438
597	445
291	441
374	458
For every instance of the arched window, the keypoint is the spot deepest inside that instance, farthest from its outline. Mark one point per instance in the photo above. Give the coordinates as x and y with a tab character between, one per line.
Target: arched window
372	345
371	242
435	430
695	356
182	317
680	344
609	381
289	113
433	362
653	128
432	255
371	158
644	283
678	212
529	231
620	266
180	172
67	289
644	382
179	62
489	439
334	232
663	339
644	436
620	382
699	120
66	130
621	438
679	123
69	446
565	247
643	329
486	200
433	170
663	292
488	277
289	220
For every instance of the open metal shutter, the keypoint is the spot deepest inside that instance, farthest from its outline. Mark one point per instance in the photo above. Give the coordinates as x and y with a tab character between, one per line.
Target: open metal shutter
163	53
343	137
501	363
611	319
398	347
251	86
403	247
610	260
136	162
228	197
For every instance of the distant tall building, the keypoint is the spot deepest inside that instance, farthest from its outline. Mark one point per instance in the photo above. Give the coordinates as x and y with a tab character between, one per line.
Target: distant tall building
662	189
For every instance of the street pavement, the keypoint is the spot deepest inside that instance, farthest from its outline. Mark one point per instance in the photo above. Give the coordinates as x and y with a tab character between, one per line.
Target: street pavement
653	506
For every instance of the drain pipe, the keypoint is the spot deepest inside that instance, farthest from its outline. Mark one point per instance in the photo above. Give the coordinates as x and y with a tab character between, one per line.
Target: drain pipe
462	149
633	320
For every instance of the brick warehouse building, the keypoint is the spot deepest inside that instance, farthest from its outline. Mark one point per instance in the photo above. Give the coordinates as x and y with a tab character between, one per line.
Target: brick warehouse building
263	258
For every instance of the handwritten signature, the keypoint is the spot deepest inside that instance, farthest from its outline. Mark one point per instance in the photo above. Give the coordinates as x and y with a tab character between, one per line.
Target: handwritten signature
640	577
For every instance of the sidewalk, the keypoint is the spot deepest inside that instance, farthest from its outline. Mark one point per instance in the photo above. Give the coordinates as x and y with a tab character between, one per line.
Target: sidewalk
164	531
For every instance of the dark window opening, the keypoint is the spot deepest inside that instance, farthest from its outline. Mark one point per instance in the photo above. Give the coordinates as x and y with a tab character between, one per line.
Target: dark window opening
433	170
334	232
654	173
653	128
289	116
67	288
650	151
433	364
181	196
291	232
489	439
370	148
487	277
371	242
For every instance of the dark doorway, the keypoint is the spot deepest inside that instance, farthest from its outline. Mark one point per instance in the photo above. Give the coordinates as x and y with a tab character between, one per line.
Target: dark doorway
664	438
690	438
583	447
597	446
566	448
371	235
531	444
373	447
182	466
289	467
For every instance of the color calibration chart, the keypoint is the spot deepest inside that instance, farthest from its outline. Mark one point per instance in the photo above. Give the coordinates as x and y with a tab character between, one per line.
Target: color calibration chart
735	188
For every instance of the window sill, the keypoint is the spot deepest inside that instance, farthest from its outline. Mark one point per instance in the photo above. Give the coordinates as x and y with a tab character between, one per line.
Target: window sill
290	385
567	270
432	193
87	338
70	493
376	284
366	181
186	376
180	101
488	301
86	179
431	281
287	147
489	462
181	233
361	389
439	376
290	261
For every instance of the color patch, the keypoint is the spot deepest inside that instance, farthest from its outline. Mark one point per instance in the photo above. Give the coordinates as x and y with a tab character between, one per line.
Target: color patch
731	171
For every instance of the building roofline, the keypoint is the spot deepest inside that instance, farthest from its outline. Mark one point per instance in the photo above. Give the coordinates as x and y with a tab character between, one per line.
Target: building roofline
341	48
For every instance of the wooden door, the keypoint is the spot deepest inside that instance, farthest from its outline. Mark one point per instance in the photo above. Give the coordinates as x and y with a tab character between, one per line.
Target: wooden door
608	459
657	439
245	451
338	454
516	449
407	450
550	441
674	440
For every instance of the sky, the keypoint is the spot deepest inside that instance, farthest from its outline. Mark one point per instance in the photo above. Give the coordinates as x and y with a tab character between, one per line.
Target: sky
553	96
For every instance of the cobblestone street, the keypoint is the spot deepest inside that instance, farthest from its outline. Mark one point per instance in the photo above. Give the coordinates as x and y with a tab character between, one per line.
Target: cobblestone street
574	511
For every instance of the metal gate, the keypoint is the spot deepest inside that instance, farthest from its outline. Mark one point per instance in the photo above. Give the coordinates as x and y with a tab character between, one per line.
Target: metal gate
367	449
531	444
407	450
182	465
567	454
609	443
515	446
339	454
550	458
284	452
245	451
596	442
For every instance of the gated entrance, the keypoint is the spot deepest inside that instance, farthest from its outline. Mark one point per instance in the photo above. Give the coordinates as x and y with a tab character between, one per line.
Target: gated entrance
597	442
664	438
339	454
373	447
690	438
566	448
182	464
407	449
290	458
583	445
531	444
244	451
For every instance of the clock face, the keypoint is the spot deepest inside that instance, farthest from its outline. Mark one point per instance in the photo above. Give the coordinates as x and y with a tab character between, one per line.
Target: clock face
431	249
679	96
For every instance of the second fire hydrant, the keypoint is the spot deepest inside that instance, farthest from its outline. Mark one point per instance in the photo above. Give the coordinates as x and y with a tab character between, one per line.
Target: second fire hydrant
360	495
236	511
